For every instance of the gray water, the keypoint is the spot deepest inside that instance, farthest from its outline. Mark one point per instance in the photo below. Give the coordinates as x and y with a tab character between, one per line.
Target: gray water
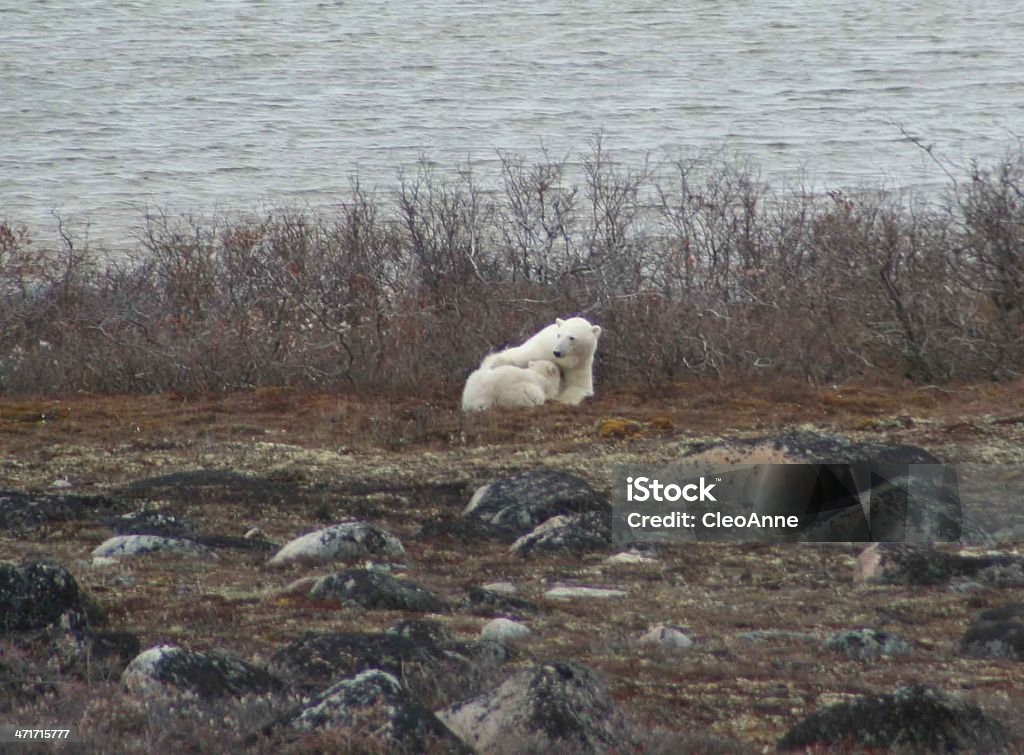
111	107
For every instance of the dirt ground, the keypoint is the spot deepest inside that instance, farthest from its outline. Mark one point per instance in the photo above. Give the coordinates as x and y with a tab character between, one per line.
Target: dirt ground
293	461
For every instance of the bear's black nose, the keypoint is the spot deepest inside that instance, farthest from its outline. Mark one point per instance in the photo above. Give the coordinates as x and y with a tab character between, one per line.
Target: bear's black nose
558	353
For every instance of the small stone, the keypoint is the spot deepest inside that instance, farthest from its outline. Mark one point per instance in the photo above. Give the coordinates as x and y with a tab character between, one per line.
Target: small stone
864	644
668	636
504	630
629	558
564	592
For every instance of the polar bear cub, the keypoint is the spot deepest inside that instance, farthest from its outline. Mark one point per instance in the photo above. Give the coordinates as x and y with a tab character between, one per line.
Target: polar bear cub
571	344
508	385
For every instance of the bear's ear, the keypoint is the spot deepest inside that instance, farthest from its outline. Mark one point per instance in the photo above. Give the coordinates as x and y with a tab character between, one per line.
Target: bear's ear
559	321
596	330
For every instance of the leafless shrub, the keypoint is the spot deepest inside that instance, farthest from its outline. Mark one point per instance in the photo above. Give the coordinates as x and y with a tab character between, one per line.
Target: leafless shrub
704	269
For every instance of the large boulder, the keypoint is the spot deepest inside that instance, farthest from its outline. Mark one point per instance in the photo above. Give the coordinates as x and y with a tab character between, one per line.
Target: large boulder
375	589
169	668
575	533
549	706
40	595
513	506
997	633
317	659
917	717
347	541
377	713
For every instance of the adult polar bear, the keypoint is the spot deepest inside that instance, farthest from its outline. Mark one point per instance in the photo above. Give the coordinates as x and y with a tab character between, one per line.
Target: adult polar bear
571	344
508	385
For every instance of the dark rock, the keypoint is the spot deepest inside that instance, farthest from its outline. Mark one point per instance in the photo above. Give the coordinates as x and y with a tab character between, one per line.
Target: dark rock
465	530
217	542
346	541
113	645
904	564
151	523
374	706
422	631
918	717
577	533
557	704
373	589
997	633
513	506
197	486
864	644
164	525
22	512
169	668
39	595
318	659
481	602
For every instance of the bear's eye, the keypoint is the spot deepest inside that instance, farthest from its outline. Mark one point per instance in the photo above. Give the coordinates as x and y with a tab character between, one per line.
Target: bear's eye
572	338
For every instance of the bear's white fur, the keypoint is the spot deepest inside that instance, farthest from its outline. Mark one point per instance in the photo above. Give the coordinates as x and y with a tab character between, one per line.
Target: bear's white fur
508	385
570	344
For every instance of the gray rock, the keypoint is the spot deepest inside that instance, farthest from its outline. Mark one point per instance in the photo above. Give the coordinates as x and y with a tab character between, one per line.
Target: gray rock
513	506
504	630
40	595
997	633
577	533
23	512
374	589
317	659
422	631
483	602
864	644
569	592
553	705
151	523
667	636
343	542
171	669
374	706
917	717
126	546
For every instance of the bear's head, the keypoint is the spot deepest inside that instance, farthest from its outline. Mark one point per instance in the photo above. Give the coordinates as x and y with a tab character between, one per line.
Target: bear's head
575	341
550	374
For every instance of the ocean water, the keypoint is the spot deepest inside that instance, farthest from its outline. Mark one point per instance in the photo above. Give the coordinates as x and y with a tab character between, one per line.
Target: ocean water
111	108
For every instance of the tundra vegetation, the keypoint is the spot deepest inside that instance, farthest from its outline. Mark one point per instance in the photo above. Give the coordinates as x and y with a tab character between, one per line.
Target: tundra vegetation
694	268
240	382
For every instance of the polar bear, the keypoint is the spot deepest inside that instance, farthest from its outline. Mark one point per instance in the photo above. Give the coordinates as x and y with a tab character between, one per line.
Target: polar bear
508	385
570	344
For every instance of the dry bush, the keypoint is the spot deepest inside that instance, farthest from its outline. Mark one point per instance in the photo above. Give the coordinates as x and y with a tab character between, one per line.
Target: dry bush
703	269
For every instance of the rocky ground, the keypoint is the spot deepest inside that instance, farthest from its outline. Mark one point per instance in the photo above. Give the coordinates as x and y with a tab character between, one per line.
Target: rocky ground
705	647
